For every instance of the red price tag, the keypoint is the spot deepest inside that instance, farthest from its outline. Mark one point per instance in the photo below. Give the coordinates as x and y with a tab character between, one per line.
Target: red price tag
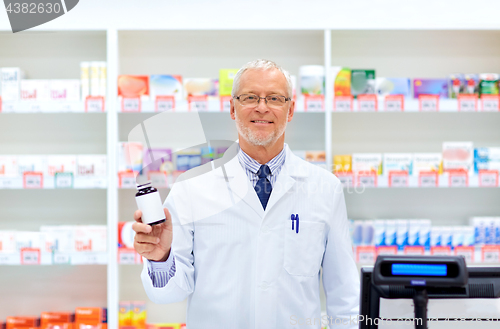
32	179
131	104
366	179
346	178
342	103
30	256
365	254
488	178
126	256
387	250
367	103
466	251
441	251
198	103
94	104
126	179
414	250
491	103
467	103
225	103
164	103
158	178
458	178
428	103
314	103
394	103
398	178
490	254
428	179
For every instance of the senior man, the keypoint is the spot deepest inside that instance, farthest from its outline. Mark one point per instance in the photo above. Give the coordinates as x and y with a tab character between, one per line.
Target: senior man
256	262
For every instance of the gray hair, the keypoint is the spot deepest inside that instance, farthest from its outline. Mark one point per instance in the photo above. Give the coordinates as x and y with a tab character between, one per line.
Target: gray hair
261	64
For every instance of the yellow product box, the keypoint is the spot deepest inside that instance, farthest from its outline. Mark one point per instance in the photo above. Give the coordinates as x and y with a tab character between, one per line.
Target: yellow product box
170	326
124	314
139	314
342	163
226	77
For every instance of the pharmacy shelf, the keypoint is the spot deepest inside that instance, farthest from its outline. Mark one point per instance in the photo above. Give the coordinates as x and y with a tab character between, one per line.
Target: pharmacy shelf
34	257
44	107
51	183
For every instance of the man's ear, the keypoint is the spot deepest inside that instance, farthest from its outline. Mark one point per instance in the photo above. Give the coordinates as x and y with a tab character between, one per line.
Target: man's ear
291	111
231	111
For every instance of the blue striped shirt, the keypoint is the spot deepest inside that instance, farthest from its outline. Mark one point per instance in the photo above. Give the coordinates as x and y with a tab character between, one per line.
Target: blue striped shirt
161	272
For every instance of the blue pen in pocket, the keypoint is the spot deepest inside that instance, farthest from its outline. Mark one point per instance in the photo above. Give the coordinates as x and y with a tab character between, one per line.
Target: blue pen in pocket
295	227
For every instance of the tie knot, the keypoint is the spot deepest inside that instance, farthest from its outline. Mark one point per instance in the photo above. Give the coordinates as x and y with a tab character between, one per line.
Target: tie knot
264	171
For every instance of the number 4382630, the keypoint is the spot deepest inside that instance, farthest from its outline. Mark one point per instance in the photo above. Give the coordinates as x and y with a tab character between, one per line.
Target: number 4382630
33	8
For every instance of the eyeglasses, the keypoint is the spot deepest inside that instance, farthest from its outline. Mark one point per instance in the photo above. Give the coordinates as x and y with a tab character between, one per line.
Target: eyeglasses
276	101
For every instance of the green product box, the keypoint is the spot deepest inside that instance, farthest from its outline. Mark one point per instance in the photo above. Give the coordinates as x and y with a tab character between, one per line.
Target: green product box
489	84
226	77
362	82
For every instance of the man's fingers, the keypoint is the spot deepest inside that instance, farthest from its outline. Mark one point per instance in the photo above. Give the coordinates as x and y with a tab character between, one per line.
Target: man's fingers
141	228
138	216
142	248
145	238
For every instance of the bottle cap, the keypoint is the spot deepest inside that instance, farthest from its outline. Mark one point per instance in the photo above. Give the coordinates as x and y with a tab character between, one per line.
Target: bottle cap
143	184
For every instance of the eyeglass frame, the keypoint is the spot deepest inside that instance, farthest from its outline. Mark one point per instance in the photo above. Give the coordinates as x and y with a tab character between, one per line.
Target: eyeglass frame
287	99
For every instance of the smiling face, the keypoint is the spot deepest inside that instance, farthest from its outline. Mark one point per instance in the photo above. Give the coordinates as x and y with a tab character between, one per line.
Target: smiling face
261	125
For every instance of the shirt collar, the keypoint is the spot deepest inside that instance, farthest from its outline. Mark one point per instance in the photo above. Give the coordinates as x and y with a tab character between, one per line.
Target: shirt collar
253	165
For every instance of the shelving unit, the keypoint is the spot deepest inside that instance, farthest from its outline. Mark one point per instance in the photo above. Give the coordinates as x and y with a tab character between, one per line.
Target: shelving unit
143	47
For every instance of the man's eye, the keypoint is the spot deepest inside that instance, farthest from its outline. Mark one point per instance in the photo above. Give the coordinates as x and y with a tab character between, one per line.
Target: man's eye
251	98
274	99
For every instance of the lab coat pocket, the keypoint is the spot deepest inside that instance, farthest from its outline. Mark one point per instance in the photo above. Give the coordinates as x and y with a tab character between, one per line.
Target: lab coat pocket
304	250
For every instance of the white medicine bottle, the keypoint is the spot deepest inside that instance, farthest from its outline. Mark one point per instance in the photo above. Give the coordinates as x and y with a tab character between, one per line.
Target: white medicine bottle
149	203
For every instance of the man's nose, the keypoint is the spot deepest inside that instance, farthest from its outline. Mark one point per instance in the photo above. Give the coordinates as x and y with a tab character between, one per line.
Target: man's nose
262	106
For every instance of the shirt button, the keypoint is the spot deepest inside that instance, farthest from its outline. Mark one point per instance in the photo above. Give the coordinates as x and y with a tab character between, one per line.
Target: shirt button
264	285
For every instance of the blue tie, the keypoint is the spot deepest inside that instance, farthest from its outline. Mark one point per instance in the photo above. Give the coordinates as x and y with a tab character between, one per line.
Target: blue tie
263	186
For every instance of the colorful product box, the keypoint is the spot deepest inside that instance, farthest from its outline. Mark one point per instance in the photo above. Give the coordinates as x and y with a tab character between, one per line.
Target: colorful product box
341	81
489	84
379	232
430	87
312	79
26	239
130	156
401	233
89	317
207	154
458	156
126	235
64	90
125	314
456	85
8	166
316	157
426	162
486	158
471	84
91	165
220	152
11	83
102	78
342	163
166	85
390	232
85	79
226	77
35	90
368	233
367	162
98	72
362	82
393	86
419	232
133	85
58	238
60	164
22	322
90	238
157	159
188	159
7	242
397	162
139	314
31	163
49	319
201	87
479	225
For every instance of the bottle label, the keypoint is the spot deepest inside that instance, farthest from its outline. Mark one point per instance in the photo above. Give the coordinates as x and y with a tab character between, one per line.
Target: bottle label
151	206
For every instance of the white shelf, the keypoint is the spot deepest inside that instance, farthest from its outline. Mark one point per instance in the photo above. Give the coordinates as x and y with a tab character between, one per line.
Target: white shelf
43	107
49	183
76	258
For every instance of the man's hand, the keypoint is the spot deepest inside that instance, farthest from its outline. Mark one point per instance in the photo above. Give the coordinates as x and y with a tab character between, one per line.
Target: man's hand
153	242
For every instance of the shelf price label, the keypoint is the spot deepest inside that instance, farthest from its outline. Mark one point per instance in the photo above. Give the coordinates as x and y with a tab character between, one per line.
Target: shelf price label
225	103
467	103
60	258
126	179
314	103
458	178
346	178
491	103
367	103
30	256
441	250
398	178
35	108
428	179
387	250
63	180
488	178
164	103
466	251
414	250
428	103
6	182
342	104
365	254
490	254
94	104
131	104
394	103
126	256
198	103
158	178
32	179
367	179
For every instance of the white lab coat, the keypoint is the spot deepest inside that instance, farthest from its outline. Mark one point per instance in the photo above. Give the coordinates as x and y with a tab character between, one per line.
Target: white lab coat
243	267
